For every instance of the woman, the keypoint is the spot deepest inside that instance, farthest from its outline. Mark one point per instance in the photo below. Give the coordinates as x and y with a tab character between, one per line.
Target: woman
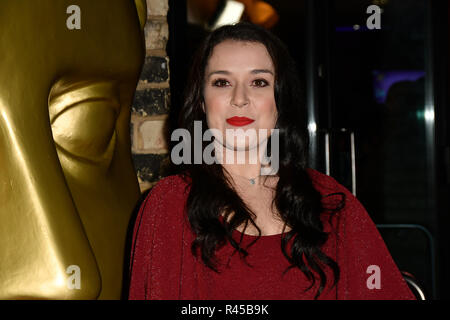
224	230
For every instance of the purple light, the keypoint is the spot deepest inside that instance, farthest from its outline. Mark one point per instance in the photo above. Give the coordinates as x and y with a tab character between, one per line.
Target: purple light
383	80
351	29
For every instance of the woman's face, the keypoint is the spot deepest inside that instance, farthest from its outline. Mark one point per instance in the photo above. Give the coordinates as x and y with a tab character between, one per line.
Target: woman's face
239	93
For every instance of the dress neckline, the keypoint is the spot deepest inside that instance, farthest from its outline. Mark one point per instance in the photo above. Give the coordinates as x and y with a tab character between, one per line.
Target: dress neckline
249	236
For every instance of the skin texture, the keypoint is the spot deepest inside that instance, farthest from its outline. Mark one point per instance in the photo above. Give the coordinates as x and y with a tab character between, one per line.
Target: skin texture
239	81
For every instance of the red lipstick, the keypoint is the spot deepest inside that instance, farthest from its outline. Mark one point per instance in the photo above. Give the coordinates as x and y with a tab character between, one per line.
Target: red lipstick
239	121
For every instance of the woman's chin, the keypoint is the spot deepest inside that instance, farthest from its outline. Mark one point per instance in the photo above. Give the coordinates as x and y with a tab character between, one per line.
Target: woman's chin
241	147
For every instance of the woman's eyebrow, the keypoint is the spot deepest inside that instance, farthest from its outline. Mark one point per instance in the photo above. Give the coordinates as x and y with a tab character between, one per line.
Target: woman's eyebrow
254	71
219	72
257	71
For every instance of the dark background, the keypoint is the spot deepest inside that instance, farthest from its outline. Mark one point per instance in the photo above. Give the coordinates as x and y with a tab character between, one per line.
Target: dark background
402	159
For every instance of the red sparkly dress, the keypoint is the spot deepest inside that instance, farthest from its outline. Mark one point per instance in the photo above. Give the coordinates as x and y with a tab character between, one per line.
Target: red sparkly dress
162	266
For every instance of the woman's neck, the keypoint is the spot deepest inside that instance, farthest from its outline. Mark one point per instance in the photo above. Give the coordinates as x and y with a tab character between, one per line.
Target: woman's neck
241	165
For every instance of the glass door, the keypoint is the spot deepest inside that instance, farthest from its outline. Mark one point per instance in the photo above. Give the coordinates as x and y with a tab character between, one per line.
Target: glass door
375	132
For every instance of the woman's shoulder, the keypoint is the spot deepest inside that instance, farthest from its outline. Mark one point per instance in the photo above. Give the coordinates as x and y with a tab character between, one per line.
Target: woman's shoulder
164	203
171	186
168	194
335	195
324	183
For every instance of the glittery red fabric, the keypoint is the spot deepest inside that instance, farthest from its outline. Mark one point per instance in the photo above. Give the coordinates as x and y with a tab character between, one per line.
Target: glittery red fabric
162	266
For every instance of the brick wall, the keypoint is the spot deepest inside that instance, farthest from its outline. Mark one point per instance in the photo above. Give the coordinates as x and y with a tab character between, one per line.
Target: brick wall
151	103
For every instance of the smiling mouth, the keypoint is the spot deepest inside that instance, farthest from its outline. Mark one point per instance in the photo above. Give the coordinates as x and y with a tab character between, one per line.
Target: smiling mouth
239	121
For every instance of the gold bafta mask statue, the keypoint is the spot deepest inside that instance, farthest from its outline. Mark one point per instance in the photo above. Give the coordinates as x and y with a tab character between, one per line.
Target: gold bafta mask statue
68	72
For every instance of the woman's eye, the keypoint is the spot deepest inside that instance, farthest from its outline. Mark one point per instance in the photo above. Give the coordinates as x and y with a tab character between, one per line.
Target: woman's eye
260	83
220	83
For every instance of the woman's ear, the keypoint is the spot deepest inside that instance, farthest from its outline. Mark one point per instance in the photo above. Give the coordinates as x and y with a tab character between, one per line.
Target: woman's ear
141	6
203	107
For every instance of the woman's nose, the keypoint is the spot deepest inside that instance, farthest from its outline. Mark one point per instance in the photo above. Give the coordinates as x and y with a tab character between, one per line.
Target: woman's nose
240	97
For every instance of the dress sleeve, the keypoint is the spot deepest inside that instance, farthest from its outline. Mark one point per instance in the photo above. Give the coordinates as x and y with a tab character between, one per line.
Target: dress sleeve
368	271
141	251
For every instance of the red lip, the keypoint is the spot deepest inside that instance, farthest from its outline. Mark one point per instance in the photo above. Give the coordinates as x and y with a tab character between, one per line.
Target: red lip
239	121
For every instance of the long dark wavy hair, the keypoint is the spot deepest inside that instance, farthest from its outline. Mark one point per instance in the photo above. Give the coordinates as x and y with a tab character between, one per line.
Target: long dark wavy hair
299	204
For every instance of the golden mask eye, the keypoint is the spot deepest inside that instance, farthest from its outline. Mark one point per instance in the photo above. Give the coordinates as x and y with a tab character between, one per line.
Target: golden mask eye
83	120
